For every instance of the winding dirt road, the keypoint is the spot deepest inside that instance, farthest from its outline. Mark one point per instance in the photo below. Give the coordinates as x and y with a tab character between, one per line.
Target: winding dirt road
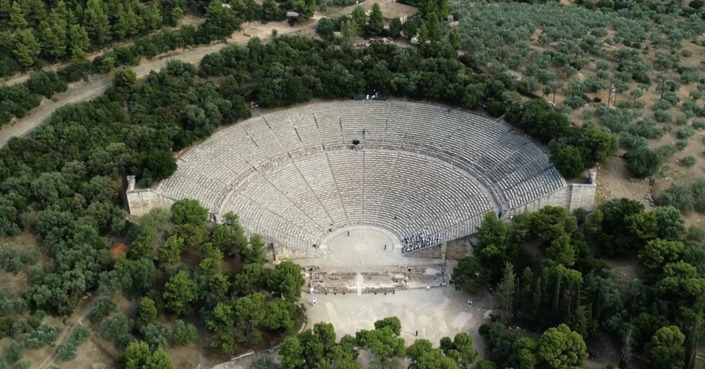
98	83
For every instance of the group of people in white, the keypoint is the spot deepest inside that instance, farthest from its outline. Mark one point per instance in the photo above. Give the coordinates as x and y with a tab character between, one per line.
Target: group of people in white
419	241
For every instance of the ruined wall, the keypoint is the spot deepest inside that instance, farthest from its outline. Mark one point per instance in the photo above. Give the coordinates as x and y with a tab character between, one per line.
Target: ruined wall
141	200
571	197
433	252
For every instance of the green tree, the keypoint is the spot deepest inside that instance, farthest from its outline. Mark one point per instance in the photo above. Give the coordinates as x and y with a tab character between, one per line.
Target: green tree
325	28
27	48
597	144
97	22
561	348
376	21
383	344
191	234
395	28
183	333
286	280
459	349
409	28
493	248
188	211
679	197
657	253
17	16
291	353
230	236
392	322
270	10
125	83
433	26
468	275
254	253
179	292
221	321
170	252
102	307
143	245
643	162
505	293
669	222
417	349
666	348
423	33
567	160
138	356
79	43
621	225
146	312
348	32
454	39
249	279
360	19
439	8
117	329
54	36
561	251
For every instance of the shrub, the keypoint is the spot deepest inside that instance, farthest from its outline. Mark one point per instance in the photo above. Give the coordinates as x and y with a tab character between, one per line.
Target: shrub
681	121
662	116
684	133
688	161
695	234
681	145
67	350
14	352
646	128
103	306
631	141
698	124
10	258
698	190
117	329
182	334
642	162
679	197
43	335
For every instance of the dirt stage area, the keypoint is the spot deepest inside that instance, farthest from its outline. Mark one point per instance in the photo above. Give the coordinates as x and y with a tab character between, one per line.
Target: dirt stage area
362	276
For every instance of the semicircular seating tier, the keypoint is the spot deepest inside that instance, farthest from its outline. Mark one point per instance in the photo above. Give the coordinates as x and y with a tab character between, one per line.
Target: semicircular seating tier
295	175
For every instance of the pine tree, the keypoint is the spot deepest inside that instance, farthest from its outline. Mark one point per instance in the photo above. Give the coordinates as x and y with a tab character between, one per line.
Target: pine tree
97	23
360	19
78	39
27	48
147	312
505	293
5	9
150	18
17	17
53	40
376	22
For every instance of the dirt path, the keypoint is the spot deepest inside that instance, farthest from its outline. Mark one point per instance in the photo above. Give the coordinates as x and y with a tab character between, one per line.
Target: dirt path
98	83
73	321
21	77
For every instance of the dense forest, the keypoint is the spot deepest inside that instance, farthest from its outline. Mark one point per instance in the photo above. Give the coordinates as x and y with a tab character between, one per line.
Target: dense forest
221	19
548	268
36	32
